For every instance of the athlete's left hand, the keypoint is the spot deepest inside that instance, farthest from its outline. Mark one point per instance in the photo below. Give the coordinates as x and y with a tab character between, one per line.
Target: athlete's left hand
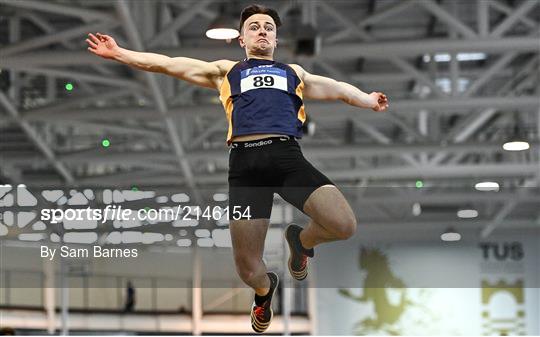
381	99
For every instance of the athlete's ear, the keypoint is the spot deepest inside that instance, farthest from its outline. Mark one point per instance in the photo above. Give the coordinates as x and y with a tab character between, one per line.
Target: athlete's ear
241	41
276	43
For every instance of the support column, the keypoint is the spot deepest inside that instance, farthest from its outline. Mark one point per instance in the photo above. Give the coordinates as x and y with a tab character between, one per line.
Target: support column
49	298
286	287
14	77
196	288
312	301
65	298
287	281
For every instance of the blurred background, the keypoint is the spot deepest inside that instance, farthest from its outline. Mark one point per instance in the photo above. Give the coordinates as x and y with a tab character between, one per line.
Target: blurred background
444	184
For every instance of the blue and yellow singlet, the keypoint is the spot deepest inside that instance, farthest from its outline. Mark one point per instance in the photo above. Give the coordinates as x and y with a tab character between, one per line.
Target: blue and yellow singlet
263	96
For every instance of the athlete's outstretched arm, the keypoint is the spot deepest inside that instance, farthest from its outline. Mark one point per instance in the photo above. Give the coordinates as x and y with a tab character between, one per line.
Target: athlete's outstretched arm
206	74
324	88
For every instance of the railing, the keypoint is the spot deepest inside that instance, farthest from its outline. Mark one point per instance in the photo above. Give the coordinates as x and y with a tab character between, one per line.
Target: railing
94	292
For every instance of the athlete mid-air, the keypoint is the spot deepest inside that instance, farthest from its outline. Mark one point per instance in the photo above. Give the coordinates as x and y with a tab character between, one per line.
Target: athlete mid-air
263	101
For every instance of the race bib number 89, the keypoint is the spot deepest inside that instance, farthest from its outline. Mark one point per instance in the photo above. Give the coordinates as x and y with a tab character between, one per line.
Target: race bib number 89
263	78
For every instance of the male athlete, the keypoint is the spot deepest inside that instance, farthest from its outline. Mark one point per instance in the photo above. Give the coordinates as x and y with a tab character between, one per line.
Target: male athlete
263	101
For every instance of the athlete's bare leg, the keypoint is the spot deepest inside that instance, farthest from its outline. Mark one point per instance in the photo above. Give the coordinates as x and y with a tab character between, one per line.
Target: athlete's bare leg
248	245
331	216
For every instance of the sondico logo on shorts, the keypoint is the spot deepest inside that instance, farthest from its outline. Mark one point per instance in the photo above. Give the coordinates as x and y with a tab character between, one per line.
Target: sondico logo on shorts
261	143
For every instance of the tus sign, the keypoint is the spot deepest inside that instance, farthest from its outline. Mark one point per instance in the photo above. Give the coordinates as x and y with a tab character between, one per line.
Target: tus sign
502	251
503	303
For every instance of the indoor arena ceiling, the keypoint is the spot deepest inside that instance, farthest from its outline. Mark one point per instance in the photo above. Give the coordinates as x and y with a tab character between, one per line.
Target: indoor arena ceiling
462	78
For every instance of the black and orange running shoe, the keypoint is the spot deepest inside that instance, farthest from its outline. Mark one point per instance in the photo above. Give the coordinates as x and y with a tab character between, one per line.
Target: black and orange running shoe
261	314
298	257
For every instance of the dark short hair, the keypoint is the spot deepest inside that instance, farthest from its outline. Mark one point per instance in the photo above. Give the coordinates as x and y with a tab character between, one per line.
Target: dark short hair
258	9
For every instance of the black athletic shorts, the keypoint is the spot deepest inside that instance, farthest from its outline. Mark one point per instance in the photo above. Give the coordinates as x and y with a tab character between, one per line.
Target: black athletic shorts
260	168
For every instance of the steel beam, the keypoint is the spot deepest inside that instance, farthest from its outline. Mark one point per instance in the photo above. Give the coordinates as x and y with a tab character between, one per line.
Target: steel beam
408	68
466	128
516	15
383	77
345	51
482	9
452	22
133	35
48	28
446	171
67	106
379	16
86	77
481	171
100	127
47	39
383	139
319	110
84	14
221	154
37	140
510	205
489	73
218	125
350	26
422	225
183	19
503	8
497	220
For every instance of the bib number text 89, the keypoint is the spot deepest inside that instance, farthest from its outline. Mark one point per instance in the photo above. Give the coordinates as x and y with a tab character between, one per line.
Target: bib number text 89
259	81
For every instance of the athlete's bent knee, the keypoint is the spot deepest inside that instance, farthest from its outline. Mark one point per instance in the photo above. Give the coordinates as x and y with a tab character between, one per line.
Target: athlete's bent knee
247	268
345	228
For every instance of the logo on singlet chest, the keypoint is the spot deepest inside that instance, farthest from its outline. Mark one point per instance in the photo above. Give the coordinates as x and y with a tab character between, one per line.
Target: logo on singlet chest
263	78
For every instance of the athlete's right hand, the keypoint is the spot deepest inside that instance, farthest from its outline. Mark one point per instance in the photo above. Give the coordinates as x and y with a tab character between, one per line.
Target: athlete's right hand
102	45
380	101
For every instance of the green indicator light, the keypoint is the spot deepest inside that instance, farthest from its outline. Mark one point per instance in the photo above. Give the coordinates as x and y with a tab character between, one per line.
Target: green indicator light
105	143
419	184
69	86
134	188
147	208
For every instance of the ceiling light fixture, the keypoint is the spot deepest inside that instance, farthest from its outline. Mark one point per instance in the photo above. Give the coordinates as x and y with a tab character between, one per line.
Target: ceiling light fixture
223	27
518	139
516	145
450	235
467	213
416	209
486	186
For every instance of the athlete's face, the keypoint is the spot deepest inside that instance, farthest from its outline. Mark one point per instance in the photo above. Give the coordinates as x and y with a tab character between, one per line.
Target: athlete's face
259	35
